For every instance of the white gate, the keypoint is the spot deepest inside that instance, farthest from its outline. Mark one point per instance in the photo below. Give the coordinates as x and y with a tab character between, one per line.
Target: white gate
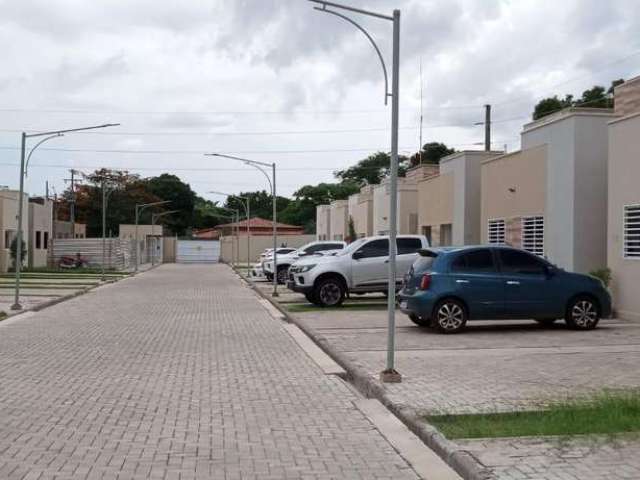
198	251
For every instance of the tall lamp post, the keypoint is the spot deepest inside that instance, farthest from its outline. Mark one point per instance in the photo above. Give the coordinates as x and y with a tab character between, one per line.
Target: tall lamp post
389	374
154	217
140	207
24	165
235	245
105	199
272	184
246	204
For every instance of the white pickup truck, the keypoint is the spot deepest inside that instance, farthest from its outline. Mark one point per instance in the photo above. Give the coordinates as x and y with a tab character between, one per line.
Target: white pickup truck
286	260
362	267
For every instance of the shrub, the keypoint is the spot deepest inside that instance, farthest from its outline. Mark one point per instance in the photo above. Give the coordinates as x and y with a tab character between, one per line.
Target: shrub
14	252
604	274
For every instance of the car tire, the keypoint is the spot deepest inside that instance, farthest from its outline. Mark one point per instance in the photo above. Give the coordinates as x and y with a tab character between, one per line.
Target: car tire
420	321
330	292
283	273
547	322
449	316
311	298
583	313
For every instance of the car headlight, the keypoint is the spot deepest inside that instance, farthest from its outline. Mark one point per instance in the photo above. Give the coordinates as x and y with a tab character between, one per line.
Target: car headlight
305	268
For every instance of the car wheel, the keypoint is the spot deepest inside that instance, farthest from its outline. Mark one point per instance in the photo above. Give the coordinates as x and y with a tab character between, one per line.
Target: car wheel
583	313
330	292
450	316
420	321
311	298
545	321
283	272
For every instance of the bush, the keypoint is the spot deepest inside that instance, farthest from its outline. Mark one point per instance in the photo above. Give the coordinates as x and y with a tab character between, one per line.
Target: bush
603	274
14	252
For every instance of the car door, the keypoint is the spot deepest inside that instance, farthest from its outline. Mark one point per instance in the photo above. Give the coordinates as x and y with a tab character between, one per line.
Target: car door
370	263
407	254
530	292
476	280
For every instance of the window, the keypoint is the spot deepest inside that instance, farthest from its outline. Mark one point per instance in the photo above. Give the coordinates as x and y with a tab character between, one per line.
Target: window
46	240
496	231
38	240
446	234
533	235
476	261
375	248
517	262
8	238
632	231
408	245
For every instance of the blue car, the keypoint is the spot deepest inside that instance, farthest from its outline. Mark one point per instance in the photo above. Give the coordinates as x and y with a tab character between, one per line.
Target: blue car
445	287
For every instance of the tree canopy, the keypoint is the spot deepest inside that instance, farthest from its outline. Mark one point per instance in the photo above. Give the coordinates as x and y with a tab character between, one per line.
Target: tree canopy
432	153
595	97
371	170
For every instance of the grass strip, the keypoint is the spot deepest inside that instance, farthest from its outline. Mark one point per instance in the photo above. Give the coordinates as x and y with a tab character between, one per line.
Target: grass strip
307	307
605	413
3	315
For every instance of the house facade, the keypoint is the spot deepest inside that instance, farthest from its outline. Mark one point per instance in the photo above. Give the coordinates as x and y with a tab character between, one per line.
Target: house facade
40	231
339	219
623	245
323	222
9	225
449	199
361	211
551	197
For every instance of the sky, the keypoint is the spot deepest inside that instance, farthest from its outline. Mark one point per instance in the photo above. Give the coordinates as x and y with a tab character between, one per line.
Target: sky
277	81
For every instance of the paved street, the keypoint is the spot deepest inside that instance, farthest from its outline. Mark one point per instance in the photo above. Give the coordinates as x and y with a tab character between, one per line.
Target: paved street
179	373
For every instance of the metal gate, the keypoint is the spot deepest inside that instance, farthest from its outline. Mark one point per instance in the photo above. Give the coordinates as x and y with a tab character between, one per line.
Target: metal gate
198	251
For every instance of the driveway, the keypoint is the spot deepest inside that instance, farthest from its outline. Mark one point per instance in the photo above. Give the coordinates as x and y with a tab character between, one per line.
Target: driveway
176	373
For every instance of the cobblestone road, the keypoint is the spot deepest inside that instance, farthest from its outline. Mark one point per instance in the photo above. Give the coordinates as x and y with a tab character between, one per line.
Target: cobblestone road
176	374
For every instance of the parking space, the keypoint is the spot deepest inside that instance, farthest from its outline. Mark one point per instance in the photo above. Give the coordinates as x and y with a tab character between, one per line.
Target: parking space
496	366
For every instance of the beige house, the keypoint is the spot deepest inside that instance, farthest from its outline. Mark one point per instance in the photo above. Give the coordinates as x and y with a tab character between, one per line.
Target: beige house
550	198
361	211
149	237
323	222
449	199
339	219
623	253
40	228
407	202
64	230
9	224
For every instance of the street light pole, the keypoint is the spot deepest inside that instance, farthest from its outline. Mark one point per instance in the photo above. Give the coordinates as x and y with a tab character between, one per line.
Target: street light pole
139	209
272	184
154	217
23	173
105	199
389	374
247	210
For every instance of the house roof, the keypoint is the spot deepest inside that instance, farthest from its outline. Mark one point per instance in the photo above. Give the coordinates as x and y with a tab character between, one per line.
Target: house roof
257	222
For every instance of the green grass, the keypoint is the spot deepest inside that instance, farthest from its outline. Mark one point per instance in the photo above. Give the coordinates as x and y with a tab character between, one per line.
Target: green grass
3	315
606	413
307	307
72	271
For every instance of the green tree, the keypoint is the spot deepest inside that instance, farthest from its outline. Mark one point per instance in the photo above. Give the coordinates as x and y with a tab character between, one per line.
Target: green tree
207	214
371	170
432	153
352	230
182	198
261	204
547	106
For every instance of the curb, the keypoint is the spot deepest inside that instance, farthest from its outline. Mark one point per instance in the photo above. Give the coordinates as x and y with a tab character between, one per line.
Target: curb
462	461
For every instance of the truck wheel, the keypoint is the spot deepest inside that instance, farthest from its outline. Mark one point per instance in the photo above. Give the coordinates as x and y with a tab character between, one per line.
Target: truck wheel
330	292
311	298
283	272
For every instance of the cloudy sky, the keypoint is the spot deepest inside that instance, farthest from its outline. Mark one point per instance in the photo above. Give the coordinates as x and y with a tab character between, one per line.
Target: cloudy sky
274	80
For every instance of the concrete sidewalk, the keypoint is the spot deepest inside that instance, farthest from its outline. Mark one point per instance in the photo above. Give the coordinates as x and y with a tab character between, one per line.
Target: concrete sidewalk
178	373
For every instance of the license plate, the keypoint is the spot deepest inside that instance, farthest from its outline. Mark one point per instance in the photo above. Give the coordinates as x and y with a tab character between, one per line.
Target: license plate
403	305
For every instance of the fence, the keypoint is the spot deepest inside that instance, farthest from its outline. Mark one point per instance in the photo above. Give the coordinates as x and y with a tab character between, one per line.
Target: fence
118	253
258	244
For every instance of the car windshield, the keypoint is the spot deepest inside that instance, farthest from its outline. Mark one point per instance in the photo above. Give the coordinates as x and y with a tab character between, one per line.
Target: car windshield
352	247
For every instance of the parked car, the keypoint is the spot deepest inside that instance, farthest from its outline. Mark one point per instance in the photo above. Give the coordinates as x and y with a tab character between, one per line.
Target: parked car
446	287
286	260
362	267
268	255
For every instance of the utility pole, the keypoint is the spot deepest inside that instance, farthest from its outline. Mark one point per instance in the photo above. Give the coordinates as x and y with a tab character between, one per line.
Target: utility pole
487	128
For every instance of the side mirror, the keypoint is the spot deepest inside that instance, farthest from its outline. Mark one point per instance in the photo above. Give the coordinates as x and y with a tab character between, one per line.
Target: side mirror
358	254
551	271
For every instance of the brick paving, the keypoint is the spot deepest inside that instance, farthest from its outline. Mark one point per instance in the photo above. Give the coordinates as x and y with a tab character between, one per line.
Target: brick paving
179	373
502	366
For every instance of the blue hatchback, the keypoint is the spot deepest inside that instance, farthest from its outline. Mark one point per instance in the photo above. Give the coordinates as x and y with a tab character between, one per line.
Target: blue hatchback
445	287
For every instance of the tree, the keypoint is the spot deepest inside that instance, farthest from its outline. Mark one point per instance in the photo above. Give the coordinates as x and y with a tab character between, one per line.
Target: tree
432	153
371	170
261	204
547	106
182	198
207	214
14	252
352	230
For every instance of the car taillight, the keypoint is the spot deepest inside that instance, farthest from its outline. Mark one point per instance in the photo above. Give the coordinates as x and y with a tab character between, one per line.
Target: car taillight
425	282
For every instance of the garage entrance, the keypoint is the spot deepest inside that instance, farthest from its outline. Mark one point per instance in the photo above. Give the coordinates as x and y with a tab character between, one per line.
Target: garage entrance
198	251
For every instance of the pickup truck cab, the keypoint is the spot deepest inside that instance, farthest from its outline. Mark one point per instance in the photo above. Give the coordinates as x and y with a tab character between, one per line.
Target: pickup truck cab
286	260
362	267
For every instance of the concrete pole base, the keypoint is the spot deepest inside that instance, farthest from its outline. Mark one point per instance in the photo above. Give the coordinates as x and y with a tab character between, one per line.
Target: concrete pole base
390	376
16	306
